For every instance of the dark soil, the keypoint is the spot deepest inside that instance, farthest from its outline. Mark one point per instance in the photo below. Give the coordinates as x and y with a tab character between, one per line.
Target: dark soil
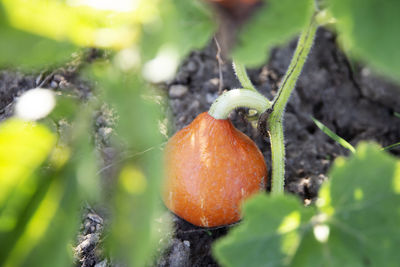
347	98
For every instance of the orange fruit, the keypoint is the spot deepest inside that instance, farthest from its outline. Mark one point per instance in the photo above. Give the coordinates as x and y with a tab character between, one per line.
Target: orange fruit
210	168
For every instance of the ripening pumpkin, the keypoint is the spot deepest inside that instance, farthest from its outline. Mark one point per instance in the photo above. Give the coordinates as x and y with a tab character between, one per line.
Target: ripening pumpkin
210	168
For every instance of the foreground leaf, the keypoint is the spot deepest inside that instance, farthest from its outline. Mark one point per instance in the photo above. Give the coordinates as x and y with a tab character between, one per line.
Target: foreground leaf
24	146
39	219
269	234
26	50
355	223
182	26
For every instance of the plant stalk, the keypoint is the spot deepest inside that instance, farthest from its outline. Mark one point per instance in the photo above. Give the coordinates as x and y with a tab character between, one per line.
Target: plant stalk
241	74
236	98
275	120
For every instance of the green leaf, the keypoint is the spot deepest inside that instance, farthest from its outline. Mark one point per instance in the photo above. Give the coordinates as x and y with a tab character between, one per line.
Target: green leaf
369	28
135	103
268	235
355	223
275	23
46	226
39	218
334	136
134	233
24	146
182	25
51	231
26	50
363	197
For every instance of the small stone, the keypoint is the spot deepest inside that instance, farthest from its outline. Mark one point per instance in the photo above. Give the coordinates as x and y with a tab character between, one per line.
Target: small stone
53	84
95	218
88	243
186	243
63	84
58	78
177	91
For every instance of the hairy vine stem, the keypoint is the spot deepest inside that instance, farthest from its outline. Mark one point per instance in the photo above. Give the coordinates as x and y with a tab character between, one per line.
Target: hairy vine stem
275	119
236	98
241	74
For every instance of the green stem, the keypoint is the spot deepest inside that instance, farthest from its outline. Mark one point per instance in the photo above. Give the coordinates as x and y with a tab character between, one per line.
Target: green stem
241	74
275	120
236	98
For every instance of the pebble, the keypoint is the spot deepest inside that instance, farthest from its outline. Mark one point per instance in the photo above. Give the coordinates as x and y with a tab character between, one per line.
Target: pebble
63	84
95	218
177	91
88	243
58	78
53	84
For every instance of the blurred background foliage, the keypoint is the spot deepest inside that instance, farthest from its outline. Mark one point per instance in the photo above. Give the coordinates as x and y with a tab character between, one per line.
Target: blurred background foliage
48	172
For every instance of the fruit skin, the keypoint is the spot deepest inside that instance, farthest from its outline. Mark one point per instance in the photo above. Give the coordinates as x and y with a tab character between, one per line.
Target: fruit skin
210	168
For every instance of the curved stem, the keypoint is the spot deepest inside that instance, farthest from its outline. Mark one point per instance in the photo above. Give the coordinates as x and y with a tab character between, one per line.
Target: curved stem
241	74
275	120
236	98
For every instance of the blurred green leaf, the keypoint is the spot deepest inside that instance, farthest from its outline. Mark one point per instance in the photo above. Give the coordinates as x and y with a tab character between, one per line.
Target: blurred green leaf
334	136
136	202
26	50
369	28
138	108
39	32
72	183
355	224
66	108
273	24
83	23
135	233
182	25
268	235
40	218
24	146
46	227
